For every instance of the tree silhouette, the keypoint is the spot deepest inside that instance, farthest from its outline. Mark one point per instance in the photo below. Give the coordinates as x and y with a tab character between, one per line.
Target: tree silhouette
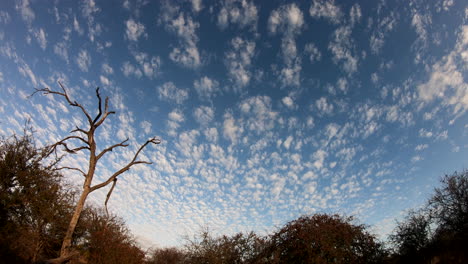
87	143
323	238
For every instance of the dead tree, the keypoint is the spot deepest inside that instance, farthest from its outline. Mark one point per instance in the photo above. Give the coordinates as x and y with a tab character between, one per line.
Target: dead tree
87	141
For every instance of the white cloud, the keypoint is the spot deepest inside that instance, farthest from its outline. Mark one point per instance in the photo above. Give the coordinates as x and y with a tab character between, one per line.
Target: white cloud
342	84
421	147
326	9
323	106
26	71
197	5
176	116
446	80
384	26
341	47
239	59
231	130
134	30
289	21
77	27
355	14
128	69
420	22
290	74
319	157
260	116
107	69
41	38
27	14
288	102
204	115
83	60
287	142
61	49
206	88
150	65
241	12
312	51
211	134
169	92
186	54
146	127
104	80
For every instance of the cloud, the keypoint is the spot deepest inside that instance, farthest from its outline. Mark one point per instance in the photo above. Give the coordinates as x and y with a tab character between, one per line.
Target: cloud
128	69
324	106
446	81
169	92
312	51
241	12
203	115
150	65
327	10
288	102
41	38
355	14
27	14
104	80
61	49
206	88
384	26
238	60
107	69
341	47
146	127
197	5
231	130
289	21
183	26
259	113
83	60
134	30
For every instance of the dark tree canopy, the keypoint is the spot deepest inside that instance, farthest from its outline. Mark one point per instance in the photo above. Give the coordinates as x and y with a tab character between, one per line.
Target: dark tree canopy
323	238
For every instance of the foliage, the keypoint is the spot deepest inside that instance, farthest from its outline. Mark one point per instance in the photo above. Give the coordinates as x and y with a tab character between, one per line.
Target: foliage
170	255
108	241
449	204
239	248
34	208
412	235
323	238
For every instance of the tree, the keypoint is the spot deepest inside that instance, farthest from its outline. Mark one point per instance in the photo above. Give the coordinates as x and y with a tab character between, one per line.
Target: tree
323	238
238	248
108	241
411	236
449	204
87	143
33	205
170	255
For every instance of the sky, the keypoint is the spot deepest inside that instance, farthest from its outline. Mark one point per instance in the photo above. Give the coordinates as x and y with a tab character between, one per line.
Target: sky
266	110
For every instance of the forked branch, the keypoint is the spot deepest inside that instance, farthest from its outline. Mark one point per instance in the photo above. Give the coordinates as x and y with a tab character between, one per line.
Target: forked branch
134	161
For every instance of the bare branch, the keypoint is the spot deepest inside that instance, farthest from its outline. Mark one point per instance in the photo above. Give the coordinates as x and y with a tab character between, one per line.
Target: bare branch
65	95
72	168
128	166
109	194
111	148
100	106
77	129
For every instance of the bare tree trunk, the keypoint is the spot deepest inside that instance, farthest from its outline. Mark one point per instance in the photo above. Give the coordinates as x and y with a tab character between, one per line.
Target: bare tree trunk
66	244
88	143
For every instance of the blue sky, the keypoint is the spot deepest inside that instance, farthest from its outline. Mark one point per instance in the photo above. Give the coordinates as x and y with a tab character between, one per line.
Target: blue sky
267	110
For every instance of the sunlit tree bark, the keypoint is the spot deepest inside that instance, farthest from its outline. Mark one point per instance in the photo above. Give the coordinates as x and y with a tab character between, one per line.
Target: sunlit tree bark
87	140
